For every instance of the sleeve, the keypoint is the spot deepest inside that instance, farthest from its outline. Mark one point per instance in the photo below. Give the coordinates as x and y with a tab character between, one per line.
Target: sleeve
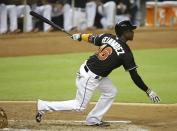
96	40
137	80
129	62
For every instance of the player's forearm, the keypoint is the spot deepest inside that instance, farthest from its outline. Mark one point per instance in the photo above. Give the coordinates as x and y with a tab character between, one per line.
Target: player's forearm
138	81
91	39
88	38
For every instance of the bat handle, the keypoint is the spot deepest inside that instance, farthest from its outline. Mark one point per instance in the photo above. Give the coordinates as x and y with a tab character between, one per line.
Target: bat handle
67	32
56	26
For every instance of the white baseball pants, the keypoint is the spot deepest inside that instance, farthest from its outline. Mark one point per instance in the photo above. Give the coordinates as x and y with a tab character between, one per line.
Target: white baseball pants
24	11
45	11
86	85
90	13
13	12
108	11
8	10
74	17
3	19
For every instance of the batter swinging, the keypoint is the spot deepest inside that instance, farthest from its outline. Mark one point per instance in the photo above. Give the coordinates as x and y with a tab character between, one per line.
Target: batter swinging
93	74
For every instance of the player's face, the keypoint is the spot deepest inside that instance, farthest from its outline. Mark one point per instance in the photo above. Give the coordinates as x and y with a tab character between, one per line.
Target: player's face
129	34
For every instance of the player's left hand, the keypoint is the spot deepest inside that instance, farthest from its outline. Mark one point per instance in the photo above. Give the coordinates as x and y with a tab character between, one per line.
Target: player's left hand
76	37
153	96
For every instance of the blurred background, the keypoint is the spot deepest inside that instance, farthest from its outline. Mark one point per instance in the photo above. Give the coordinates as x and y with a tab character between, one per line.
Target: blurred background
81	15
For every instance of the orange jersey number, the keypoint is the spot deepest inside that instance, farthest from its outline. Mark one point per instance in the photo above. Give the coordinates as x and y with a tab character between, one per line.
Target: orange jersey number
103	54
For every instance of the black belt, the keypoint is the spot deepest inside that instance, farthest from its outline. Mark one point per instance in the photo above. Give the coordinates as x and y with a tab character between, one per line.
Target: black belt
87	69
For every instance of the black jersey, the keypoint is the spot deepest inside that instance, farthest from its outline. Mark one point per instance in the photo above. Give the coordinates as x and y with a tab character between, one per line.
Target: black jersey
112	54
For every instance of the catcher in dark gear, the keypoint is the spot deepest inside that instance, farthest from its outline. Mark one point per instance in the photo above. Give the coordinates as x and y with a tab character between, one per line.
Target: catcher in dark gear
3	119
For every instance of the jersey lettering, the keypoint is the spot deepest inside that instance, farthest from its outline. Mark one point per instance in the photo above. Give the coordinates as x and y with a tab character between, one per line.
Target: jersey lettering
103	54
117	47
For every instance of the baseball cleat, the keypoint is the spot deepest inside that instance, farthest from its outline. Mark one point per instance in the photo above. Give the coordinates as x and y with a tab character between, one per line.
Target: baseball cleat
102	124
38	117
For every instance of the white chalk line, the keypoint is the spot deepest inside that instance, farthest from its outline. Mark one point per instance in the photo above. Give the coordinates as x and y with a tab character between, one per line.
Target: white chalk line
93	103
71	121
121	121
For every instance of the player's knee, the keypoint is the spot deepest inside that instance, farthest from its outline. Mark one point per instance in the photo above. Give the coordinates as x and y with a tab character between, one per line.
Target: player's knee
79	107
114	92
111	94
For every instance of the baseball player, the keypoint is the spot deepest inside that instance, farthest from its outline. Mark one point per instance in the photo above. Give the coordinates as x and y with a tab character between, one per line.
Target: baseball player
108	10
74	17
93	74
91	7
13	11
8	11
43	8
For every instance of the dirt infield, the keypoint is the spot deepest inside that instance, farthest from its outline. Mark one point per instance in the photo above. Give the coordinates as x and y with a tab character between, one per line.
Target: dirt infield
58	42
142	117
123	117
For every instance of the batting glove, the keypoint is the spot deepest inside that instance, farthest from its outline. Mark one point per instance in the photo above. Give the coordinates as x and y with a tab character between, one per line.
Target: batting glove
153	96
76	37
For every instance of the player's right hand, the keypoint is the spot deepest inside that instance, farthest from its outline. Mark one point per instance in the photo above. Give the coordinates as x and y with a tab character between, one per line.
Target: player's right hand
153	96
76	37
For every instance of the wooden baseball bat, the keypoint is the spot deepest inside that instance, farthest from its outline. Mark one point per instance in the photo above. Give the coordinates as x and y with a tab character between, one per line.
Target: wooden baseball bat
43	19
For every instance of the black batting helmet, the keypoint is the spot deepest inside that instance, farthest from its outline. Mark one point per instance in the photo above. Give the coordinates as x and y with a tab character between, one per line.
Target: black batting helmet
123	26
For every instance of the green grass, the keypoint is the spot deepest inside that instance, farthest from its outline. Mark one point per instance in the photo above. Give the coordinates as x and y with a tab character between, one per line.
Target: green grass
52	77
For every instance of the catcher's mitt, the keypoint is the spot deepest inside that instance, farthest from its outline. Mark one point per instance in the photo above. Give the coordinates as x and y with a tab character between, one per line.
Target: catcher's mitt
3	119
